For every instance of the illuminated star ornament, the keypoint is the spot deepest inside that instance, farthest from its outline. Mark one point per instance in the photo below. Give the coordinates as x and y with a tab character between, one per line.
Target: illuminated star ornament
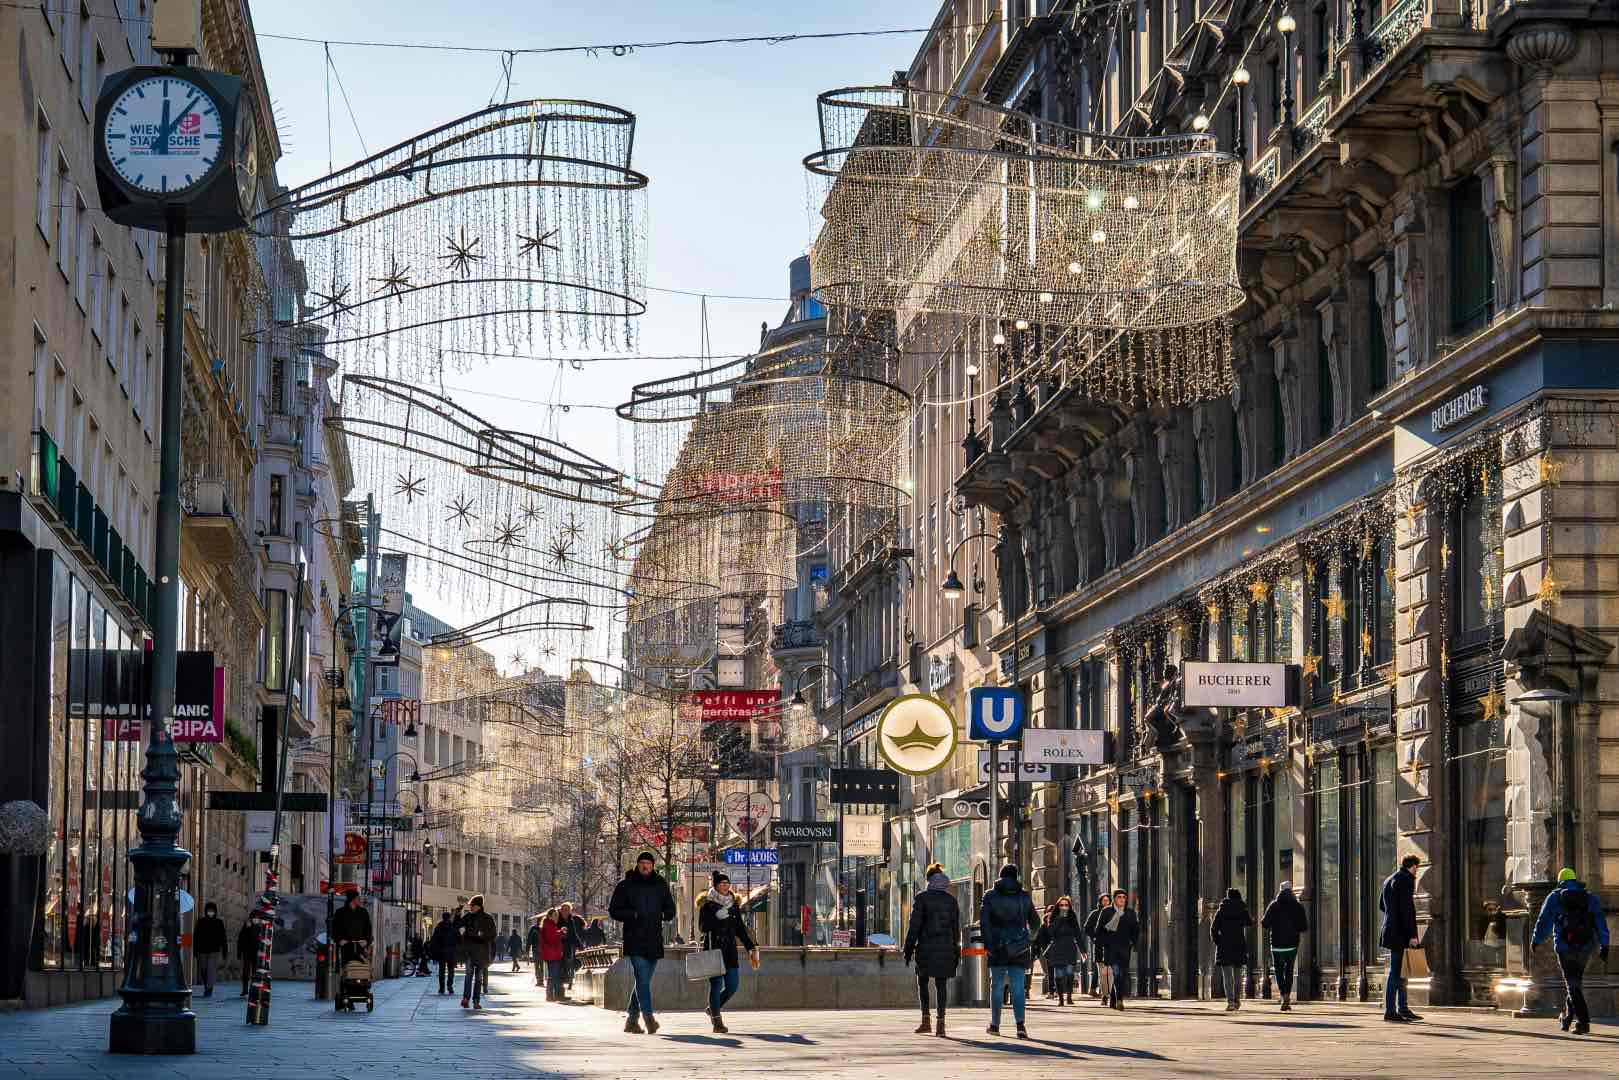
537	244
1551	590
334	301
529	512
462	254
396	282
1334	606
572	529
409	485
1259	590
509	533
1492	704
1312	665
559	550
460	510
1551	470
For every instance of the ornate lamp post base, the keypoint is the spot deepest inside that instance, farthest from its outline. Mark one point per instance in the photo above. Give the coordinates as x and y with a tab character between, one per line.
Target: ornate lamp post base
155	1027
156	1016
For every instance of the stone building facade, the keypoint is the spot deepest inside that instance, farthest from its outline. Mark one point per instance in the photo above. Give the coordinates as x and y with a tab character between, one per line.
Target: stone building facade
1405	495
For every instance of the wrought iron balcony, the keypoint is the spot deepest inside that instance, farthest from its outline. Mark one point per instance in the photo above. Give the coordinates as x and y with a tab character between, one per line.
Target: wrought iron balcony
795	634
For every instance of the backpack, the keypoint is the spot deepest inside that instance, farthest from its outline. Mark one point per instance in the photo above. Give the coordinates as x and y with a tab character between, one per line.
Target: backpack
1577	925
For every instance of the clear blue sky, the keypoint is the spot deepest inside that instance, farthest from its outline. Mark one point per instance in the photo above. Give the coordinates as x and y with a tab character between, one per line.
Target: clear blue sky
722	132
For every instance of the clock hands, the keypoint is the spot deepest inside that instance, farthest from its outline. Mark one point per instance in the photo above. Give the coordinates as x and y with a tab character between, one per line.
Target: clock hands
167	129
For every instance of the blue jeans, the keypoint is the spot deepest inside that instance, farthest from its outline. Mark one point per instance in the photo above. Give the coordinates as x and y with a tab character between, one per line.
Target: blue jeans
1394	986
641	995
1063	976
999	979
553	979
721	987
473	986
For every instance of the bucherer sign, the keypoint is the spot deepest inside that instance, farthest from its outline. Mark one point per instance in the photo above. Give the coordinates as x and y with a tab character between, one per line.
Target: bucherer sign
1212	684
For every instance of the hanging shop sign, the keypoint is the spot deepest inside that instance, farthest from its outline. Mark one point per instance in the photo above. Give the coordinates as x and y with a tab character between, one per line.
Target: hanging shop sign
804	832
856	786
916	734
941	672
995	713
748	812
735	706
1141	778
390	619
964	809
863	835
752	857
406	712
1213	684
114	680
1259	747
1082	796
354	850
1063	747
1012	771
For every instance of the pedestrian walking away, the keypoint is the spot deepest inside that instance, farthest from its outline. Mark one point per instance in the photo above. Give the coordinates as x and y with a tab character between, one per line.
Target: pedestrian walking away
1287	922
535	948
1398	904
719	920
441	947
1229	932
208	942
1117	928
595	935
1058	945
247	950
1092	957
1572	917
551	954
478	934
642	902
1009	924
933	940
514	949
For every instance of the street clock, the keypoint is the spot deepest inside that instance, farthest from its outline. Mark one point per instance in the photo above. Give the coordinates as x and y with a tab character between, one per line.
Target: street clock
176	143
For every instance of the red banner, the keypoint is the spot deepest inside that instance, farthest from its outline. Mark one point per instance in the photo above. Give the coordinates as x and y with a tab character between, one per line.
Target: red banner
736	706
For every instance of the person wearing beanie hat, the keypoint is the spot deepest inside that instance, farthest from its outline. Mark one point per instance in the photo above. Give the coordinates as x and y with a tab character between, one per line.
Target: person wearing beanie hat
1287	921
719	920
1572	916
1229	933
933	937
1009	923
643	903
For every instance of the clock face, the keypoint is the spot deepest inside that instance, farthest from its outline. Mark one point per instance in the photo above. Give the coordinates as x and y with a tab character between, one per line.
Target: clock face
163	135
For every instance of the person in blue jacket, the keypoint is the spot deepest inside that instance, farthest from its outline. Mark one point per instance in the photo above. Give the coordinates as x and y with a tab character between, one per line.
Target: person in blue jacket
1573	918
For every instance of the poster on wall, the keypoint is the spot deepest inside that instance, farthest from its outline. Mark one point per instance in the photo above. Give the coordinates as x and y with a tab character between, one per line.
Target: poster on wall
391	570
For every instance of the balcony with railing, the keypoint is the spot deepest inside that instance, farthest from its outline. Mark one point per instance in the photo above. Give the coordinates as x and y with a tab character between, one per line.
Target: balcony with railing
210	522
794	636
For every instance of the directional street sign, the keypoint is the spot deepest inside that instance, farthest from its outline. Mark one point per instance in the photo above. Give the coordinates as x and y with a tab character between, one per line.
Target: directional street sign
995	713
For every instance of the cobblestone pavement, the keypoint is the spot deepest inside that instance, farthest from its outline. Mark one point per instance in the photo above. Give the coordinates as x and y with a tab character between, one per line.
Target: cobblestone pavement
415	1033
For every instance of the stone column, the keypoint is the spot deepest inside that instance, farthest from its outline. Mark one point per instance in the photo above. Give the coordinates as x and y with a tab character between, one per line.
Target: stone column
1409	290
1251	401
1293	384
1347	372
1176	455
1112	495
1082	519
1064	558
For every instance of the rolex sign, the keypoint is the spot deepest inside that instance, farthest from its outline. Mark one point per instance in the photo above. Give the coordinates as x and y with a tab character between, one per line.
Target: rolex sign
916	734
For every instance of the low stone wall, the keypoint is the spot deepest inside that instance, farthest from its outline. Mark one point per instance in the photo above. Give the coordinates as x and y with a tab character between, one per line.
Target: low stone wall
788	978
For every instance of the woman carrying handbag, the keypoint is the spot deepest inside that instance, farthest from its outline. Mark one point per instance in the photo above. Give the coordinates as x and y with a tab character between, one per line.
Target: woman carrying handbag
720	923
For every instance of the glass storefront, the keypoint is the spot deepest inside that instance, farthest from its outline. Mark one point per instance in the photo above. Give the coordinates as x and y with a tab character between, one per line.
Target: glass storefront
1355	833
1481	767
94	784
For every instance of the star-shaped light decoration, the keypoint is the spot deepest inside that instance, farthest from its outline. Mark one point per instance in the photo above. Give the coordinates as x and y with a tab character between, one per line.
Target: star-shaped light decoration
559	551
1259	590
333	302
1492	703
460	509
396	282
1411	515
462	255
1334	605
572	529
1551	470
1312	665
538	243
548	650
1390	573
1366	643
529	512
508	533
409	485
1551	590
517	661
1444	554
1366	544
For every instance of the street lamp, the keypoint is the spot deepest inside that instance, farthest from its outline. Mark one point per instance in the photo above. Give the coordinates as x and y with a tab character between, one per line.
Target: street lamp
1240	78
1286	25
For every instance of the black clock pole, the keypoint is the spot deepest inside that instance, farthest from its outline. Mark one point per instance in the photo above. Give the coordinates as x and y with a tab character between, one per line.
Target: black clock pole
156	1016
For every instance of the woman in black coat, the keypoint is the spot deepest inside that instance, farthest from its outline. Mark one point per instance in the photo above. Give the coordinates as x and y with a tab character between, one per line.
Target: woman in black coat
719	920
1287	921
1091	947
934	939
1058	942
1229	932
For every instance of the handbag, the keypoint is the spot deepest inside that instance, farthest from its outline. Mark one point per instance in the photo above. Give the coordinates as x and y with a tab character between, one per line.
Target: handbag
1414	964
705	964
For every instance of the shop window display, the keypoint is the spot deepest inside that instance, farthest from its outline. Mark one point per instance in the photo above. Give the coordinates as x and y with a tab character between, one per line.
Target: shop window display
1329	873
1482	774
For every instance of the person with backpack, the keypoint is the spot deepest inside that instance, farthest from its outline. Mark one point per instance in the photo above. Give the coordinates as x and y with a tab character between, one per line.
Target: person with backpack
1287	921
1009	922
1572	917
1229	932
1058	945
933	937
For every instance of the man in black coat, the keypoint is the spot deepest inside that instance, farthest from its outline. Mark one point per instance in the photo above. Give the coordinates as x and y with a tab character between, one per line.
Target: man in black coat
1116	931
1229	932
208	942
934	939
1399	907
247	950
643	903
1091	944
1287	921
442	948
478	934
1009	923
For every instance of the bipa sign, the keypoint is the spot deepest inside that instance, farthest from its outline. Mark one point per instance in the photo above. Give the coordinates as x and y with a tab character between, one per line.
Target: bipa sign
199	697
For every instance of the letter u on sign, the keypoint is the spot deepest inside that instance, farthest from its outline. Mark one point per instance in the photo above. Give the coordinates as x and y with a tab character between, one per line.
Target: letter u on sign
997	713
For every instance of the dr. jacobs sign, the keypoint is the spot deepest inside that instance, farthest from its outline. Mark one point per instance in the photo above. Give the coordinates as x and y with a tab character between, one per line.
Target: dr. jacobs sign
1208	684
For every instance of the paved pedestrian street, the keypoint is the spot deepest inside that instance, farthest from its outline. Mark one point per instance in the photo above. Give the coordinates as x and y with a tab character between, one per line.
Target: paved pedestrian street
415	1033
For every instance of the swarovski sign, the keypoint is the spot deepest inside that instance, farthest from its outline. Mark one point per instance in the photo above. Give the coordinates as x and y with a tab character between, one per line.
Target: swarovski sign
1210	684
1472	401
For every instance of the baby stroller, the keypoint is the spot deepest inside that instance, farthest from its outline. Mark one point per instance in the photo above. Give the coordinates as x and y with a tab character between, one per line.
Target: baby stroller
354	976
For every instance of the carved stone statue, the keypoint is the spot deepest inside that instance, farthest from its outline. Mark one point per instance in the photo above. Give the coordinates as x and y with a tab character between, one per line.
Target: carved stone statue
1160	728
